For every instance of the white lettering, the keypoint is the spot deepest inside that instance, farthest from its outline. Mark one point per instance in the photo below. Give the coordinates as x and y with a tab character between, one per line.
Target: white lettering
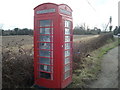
45	11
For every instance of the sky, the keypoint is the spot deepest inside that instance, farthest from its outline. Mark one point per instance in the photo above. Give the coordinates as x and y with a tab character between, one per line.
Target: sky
94	13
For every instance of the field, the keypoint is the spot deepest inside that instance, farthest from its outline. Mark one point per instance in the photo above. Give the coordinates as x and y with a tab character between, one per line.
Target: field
26	41
17	60
84	38
14	41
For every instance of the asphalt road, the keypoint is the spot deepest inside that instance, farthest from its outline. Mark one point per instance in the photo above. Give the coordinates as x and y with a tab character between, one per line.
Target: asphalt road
108	77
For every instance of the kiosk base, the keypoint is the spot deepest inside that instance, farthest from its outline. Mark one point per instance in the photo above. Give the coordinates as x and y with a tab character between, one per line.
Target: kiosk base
39	87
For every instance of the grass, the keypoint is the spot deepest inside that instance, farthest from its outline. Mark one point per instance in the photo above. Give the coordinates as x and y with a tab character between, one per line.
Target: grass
91	66
108	47
18	62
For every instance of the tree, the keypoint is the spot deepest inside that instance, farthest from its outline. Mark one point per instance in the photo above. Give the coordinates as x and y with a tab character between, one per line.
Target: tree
99	31
119	29
79	30
115	30
110	28
16	30
2	32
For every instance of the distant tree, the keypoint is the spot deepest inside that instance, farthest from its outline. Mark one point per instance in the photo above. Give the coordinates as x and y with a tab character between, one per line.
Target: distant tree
30	32
115	31
25	31
88	31
99	31
16	30
119	29
79	30
110	28
2	32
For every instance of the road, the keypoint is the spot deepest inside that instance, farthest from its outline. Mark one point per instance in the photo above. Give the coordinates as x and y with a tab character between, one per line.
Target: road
0	62
108	77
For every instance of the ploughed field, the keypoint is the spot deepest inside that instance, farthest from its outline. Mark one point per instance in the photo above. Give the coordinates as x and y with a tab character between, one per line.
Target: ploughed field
26	40
19	43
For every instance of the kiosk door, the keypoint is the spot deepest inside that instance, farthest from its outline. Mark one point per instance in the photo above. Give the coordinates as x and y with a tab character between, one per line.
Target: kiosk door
45	49
67	49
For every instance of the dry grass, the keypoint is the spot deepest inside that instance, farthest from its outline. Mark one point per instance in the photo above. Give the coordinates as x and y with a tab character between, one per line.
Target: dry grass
84	38
18	57
17	68
17	61
86	65
83	49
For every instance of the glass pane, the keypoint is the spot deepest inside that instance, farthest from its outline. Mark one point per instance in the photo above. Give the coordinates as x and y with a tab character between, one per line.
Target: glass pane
67	38
67	31
67	53
45	75
45	23
44	38
67	24
44	30
44	45
67	45
67	67
44	61
67	74
44	53
67	60
45	68
65	11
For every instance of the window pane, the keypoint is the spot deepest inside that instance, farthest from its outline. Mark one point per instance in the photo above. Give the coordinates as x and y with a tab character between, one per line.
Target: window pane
65	11
67	45
67	74
44	38
67	67
44	45
67	38
67	60
45	68
44	61
67	24
67	31
67	53
44	53
45	75
44	30
45	23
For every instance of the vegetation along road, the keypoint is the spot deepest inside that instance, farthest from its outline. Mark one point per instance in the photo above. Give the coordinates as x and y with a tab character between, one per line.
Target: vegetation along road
108	77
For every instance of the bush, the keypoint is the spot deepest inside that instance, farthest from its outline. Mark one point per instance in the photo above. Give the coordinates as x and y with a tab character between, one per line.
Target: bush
82	49
17	68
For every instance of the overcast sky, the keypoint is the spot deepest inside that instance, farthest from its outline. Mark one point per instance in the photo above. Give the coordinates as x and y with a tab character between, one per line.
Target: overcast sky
19	13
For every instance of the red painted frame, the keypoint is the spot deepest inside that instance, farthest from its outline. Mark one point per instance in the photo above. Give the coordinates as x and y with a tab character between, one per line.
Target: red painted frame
58	19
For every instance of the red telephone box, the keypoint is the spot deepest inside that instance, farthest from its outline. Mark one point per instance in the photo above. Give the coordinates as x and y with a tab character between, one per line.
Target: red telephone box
53	39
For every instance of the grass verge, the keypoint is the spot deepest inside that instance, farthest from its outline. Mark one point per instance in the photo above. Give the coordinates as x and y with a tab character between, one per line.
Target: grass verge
91	66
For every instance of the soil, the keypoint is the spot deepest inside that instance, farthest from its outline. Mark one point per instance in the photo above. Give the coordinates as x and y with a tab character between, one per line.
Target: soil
13	41
108	77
